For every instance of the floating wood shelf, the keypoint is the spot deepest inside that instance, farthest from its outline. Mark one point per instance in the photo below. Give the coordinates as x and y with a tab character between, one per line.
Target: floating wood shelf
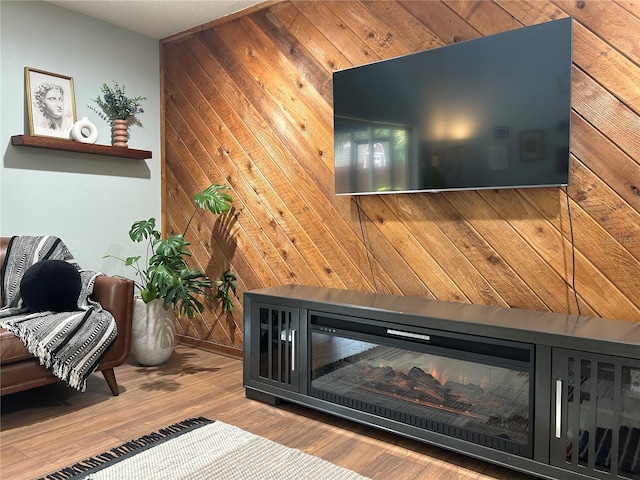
73	146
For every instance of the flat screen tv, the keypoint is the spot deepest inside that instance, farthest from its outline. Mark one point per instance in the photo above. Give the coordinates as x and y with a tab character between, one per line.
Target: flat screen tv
492	112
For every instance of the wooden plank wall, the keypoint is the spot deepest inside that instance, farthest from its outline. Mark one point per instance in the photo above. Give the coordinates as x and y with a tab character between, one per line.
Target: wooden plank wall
248	103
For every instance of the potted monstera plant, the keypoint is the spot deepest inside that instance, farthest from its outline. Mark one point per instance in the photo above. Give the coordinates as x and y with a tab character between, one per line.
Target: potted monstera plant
168	286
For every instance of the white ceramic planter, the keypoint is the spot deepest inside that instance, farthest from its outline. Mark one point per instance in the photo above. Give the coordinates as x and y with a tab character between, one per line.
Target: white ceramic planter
153	333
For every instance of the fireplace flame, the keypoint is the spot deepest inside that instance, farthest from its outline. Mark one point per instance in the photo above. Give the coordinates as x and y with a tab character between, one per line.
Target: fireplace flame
443	375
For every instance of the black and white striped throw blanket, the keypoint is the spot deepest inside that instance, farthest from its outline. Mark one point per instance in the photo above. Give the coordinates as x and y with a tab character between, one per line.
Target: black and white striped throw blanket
70	344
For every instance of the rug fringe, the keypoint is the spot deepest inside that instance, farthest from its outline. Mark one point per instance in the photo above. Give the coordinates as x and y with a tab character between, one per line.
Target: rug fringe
126	449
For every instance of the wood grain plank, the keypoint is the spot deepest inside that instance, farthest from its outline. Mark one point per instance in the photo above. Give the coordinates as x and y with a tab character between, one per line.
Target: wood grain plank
630	6
498	275
311	37
605	269
389	273
337	32
406	28
448	26
444	270
609	21
608	114
301	107
372	32
611	169
533	13
513	249
410	251
306	67
487	18
387	467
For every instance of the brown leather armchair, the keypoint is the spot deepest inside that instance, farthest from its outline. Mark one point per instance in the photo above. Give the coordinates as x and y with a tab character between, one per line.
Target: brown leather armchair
19	370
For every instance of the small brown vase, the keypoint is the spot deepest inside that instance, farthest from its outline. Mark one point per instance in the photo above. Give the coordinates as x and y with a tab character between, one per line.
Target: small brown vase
119	133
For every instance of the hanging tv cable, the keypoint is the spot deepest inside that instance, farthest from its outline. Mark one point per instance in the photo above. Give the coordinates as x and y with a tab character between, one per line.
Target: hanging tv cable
573	250
364	242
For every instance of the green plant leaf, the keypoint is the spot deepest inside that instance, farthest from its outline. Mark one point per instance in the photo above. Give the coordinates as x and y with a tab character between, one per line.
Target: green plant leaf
182	290
214	198
116	105
129	261
144	229
226	283
148	295
172	247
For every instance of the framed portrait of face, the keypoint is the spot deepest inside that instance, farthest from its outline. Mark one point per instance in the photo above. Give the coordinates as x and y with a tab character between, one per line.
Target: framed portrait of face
51	105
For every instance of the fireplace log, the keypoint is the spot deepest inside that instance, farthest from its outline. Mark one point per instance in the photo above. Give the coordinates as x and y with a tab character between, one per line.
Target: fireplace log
427	385
398	383
464	395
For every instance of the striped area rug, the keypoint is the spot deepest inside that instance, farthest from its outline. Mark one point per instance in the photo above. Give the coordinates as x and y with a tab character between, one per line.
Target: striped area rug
201	449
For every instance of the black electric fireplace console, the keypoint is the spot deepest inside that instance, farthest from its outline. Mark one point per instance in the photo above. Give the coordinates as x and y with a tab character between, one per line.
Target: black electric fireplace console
554	395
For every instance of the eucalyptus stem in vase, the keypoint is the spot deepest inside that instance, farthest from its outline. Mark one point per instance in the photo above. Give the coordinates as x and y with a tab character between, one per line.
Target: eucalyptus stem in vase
118	110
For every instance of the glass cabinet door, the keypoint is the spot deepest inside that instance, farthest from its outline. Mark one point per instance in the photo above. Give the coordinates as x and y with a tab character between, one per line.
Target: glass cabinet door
596	410
277	349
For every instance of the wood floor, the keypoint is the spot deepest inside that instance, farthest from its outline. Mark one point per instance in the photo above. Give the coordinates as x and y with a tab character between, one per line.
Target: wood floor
53	426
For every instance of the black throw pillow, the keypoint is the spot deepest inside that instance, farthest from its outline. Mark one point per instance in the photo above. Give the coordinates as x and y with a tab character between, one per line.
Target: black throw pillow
51	285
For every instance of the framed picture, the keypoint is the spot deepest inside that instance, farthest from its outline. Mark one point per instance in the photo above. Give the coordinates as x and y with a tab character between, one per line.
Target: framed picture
531	145
499	157
51	105
501	132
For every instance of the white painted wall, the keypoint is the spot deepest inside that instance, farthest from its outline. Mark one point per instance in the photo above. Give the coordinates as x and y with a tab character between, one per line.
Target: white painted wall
89	201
